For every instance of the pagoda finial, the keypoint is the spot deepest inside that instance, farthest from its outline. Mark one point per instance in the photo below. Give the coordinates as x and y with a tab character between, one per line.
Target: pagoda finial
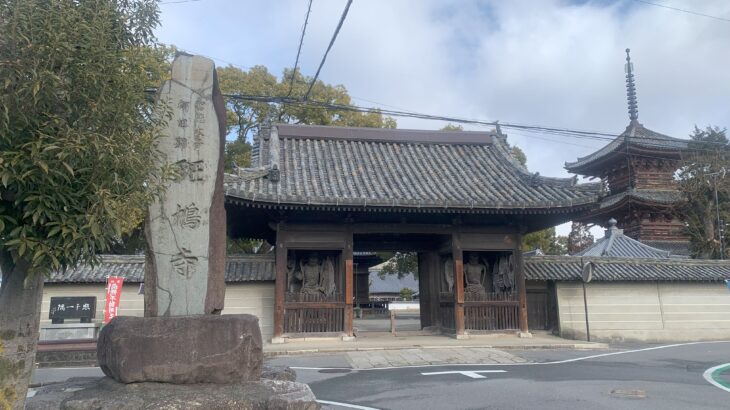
631	89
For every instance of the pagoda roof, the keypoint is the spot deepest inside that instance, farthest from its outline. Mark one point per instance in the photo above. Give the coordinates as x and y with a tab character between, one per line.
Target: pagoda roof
299	166
617	245
650	197
639	139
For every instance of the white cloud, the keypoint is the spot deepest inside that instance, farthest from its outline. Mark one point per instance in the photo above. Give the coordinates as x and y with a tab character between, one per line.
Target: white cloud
536	62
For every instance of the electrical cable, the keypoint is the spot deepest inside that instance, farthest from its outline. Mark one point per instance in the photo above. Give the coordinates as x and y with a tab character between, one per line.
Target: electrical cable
683	10
299	50
565	132
329	47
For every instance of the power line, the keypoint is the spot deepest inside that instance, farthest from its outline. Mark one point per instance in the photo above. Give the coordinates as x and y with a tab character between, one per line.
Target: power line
329	47
565	132
299	50
683	10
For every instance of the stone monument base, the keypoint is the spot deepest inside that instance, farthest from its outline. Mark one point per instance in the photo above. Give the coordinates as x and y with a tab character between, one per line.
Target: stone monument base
107	394
182	349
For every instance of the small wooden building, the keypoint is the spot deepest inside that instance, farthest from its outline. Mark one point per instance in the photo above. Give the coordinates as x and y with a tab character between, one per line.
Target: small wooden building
458	199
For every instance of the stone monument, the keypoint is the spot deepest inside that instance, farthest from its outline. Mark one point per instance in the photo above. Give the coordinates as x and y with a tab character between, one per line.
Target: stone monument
183	353
186	227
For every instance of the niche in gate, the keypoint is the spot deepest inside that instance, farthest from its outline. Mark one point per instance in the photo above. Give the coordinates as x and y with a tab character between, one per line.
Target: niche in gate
487	275
314	276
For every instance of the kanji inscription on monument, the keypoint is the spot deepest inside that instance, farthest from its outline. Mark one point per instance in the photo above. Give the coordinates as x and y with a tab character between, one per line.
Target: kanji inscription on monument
186	227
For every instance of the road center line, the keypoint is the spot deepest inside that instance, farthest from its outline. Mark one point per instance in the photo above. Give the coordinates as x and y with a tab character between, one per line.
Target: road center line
712	375
577	359
348	405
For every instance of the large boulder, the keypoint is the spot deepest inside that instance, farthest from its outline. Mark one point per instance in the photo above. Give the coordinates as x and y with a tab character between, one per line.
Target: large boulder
182	349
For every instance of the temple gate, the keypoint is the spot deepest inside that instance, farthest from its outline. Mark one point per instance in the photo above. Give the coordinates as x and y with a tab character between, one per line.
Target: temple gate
457	199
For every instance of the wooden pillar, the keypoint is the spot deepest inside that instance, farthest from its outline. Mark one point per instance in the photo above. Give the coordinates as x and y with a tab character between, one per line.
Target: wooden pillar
521	286
435	279
424	289
349	278
458	256
280	283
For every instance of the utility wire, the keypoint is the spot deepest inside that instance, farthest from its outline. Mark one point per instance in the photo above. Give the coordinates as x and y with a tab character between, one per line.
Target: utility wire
565	132
683	10
299	50
329	47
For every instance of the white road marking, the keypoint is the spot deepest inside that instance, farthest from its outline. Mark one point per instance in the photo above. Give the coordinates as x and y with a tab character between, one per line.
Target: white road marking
577	359
708	376
474	374
348	405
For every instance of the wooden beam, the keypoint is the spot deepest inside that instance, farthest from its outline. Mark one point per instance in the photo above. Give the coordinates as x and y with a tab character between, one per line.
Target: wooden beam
521	284
280	283
314	305
458	257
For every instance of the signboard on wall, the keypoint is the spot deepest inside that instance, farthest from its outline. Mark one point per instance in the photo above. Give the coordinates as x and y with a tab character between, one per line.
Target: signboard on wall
77	307
113	294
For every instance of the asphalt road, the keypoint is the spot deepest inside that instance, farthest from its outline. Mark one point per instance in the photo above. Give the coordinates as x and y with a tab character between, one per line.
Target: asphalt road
662	378
636	377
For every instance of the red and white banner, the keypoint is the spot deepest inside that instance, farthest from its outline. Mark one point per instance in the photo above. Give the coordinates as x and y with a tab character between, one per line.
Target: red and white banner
113	294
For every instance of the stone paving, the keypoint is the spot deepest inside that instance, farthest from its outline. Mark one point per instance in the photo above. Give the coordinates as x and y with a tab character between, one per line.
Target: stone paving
417	357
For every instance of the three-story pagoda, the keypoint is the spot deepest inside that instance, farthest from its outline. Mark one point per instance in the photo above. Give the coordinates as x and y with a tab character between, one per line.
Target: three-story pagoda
638	169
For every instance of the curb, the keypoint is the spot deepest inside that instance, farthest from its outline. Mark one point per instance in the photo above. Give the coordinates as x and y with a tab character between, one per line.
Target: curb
573	346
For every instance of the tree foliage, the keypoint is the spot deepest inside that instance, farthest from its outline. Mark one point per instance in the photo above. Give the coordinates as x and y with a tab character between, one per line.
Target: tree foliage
547	241
399	263
519	155
245	118
77	149
579	238
77	133
706	168
452	127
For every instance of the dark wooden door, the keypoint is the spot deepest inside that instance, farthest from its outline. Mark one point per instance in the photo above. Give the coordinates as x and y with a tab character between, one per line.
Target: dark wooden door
537	311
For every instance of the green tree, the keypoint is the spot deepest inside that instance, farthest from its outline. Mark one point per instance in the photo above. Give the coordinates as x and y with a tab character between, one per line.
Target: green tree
245	117
706	169
519	155
77	148
406	294
399	263
452	127
579	238
545	240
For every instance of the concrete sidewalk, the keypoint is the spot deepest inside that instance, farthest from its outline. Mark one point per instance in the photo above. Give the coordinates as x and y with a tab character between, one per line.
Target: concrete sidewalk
502	341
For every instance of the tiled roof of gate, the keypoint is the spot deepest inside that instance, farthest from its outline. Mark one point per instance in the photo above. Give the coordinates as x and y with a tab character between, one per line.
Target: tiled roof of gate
568	268
342	166
239	268
636	135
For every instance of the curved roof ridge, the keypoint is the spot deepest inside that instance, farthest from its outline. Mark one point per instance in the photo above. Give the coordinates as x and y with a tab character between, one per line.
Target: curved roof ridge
635	134
504	149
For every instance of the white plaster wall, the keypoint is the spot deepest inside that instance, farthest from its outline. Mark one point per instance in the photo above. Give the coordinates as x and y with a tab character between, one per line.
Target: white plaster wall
645	311
255	298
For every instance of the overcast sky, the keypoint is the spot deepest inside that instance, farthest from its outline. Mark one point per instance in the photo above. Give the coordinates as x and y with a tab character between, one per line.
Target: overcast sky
553	63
